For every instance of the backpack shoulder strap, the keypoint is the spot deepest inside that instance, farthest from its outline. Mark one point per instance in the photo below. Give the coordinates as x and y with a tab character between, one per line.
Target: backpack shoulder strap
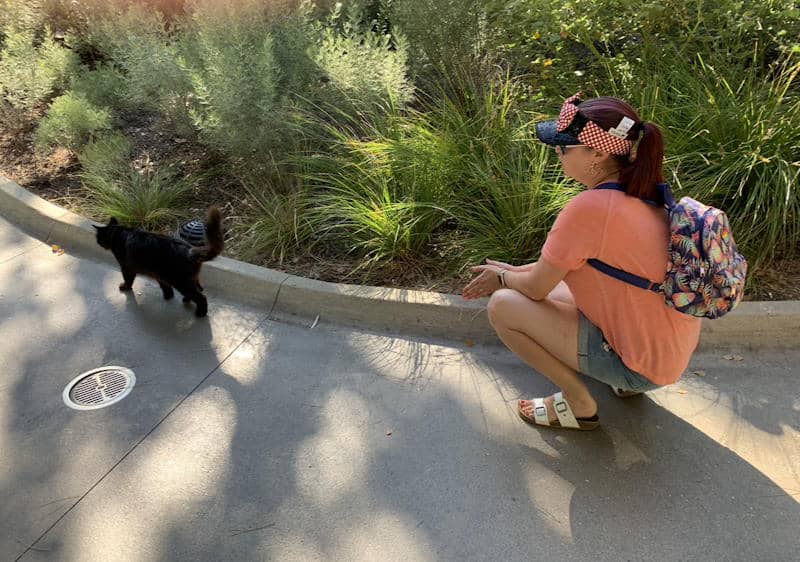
664	192
624	276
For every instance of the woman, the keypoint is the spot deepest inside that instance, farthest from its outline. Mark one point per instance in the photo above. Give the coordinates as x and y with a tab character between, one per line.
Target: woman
563	316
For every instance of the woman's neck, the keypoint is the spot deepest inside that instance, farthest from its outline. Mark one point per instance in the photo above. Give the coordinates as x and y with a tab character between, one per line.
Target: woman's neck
610	177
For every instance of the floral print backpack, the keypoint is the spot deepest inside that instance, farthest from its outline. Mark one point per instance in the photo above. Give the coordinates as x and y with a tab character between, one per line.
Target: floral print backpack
705	273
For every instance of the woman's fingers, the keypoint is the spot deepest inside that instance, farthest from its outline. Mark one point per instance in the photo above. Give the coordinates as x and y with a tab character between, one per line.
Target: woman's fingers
480	286
500	264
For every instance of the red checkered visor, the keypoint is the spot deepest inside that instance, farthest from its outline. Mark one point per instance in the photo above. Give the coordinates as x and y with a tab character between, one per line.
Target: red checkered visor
573	123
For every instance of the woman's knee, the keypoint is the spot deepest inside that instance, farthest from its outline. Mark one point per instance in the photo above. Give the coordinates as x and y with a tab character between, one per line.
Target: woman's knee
500	304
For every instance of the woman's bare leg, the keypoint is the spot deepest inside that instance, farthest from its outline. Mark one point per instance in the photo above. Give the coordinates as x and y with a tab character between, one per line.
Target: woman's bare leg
544	334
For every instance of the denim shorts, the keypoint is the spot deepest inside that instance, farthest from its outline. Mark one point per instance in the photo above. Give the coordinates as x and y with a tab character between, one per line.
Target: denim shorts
597	360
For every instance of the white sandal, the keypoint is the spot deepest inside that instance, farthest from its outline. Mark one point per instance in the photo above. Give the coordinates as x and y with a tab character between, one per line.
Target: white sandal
566	419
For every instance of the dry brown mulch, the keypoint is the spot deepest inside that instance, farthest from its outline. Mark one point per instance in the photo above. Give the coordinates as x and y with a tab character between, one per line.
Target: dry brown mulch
54	176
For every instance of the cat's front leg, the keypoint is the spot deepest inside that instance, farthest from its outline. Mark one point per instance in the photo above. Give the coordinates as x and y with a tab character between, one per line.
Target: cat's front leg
166	290
128	276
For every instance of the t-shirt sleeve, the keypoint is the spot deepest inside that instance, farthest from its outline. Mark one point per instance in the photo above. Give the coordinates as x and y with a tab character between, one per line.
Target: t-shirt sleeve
578	232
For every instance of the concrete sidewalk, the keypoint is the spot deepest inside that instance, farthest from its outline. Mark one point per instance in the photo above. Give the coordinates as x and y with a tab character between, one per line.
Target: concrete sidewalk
247	438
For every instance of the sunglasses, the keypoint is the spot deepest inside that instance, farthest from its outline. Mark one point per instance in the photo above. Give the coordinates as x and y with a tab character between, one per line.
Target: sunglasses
562	149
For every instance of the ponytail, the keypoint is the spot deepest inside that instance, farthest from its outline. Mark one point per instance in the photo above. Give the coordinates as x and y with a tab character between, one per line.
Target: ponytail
643	169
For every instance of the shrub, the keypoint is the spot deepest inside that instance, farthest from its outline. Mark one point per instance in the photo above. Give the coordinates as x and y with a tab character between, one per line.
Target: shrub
235	77
447	42
71	121
137	43
277	224
32	72
366	70
105	86
567	46
383	196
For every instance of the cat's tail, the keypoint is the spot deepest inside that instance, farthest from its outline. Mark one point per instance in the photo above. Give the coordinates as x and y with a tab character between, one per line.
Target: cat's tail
214	243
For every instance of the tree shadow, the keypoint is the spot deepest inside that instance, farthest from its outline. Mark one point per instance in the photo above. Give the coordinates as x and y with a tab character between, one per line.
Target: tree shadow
331	443
64	316
349	445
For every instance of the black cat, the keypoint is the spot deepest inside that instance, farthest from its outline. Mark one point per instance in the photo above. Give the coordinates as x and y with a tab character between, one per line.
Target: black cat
171	262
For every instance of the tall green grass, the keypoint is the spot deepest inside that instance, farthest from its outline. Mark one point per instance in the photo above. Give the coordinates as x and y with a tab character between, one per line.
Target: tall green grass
145	197
453	184
733	140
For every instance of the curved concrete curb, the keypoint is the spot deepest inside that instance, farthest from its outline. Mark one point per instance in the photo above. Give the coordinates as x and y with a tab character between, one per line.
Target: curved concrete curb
754	325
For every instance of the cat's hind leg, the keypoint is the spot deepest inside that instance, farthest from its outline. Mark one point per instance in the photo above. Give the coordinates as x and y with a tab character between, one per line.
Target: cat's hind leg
190	293
199	288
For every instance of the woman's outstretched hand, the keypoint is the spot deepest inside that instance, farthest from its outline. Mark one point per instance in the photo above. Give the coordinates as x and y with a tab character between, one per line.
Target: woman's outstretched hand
486	283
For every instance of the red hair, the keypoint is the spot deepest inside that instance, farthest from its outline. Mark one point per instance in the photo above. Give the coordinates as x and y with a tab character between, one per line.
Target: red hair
640	176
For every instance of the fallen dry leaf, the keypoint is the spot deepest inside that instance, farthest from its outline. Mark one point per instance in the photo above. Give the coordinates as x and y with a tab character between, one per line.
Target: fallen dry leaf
738	358
682	391
699	373
728	357
388	433
55	248
60	252
469	343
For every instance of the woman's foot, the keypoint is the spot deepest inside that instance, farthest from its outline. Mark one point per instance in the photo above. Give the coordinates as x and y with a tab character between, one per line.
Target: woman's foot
581	410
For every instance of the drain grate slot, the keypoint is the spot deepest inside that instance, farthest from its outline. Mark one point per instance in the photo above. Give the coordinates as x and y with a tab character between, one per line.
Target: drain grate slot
99	388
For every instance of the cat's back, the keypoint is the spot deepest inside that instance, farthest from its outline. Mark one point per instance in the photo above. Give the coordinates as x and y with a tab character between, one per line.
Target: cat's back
148	249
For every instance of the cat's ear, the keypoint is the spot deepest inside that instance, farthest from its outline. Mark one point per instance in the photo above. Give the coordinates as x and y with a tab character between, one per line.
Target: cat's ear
112	222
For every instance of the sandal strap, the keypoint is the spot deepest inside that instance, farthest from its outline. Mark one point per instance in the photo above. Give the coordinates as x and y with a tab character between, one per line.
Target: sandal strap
540	412
565	416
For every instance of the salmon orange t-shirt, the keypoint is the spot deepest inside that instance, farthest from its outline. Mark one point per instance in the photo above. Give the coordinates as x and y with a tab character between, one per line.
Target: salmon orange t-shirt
651	338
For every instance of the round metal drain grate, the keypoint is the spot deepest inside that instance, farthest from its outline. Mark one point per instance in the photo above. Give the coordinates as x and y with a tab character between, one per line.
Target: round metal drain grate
99	388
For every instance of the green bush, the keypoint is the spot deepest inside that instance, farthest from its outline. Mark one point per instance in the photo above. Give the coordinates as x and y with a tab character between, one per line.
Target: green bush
381	190
105	86
135	192
577	45
276	226
446	41
32	71
137	44
71	121
238	104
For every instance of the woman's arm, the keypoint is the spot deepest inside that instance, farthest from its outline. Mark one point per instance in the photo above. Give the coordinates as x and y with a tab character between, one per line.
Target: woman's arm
536	281
503	265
